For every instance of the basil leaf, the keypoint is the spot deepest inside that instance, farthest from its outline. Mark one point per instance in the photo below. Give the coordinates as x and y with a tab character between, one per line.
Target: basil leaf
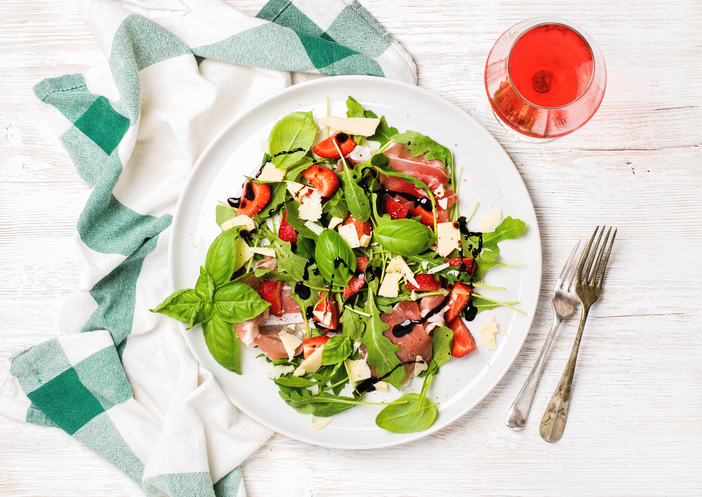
183	305
336	350
404	236
335	258
291	138
417	414
205	285
441	346
222	342
380	350
419	144
223	213
356	198
236	303
221	257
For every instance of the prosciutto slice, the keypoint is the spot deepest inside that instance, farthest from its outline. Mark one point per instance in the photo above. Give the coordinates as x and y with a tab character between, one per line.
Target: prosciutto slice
432	172
414	344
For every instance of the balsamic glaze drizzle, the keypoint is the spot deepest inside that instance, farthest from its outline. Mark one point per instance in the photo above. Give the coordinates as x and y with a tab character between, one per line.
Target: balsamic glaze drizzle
405	327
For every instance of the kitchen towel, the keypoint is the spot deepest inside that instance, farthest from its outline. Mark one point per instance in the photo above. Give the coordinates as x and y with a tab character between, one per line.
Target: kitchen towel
119	378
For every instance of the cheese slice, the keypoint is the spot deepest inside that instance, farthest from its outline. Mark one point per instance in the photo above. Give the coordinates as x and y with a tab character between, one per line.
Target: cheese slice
278	371
398	265
362	126
298	190
490	222
311	364
245	221
449	238
358	370
350	234
335	221
486	334
381	386
311	207
271	174
290	342
391	285
316	228
267	251
320	423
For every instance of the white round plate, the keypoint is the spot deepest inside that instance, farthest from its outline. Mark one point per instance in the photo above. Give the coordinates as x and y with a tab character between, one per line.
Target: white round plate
488	177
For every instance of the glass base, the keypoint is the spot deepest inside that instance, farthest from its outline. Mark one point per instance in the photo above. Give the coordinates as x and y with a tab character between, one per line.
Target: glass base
519	136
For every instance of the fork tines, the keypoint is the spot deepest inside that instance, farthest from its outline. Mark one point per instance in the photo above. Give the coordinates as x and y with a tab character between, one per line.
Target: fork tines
591	268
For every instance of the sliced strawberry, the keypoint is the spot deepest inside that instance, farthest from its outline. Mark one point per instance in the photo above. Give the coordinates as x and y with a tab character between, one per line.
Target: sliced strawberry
458	300
362	228
326	313
326	148
322	178
355	284
463	341
426	282
395	208
309	345
426	216
272	291
286	232
254	198
357	280
465	265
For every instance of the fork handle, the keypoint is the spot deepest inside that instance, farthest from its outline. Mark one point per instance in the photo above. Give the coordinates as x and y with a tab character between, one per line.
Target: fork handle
519	412
554	420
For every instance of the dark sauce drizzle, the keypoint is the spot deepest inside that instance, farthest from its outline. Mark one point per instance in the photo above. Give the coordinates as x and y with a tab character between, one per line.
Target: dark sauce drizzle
405	327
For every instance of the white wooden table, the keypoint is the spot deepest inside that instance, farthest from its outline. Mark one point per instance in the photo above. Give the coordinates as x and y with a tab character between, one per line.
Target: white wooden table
635	426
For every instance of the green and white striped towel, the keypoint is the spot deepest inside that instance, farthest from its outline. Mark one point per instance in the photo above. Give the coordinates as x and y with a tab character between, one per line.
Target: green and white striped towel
121	379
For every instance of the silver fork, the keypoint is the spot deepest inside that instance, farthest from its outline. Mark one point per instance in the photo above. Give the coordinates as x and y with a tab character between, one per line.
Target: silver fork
588	286
563	304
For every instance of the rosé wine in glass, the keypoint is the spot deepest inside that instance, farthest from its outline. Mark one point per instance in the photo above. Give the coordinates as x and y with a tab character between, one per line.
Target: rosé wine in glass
544	78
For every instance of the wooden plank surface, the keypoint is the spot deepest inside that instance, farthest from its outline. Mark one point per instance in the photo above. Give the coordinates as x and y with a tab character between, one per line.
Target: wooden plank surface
634	427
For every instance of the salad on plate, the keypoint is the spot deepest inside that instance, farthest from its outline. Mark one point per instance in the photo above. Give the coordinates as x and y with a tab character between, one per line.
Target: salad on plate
345	260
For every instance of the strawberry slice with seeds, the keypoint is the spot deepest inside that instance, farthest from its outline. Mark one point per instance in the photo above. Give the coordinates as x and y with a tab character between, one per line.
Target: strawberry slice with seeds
458	300
286	232
463	341
465	265
425	282
361	263
395	208
272	291
326	147
322	178
254	199
426	216
309	345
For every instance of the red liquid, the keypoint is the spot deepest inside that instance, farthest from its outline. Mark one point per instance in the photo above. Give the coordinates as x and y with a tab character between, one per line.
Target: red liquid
550	65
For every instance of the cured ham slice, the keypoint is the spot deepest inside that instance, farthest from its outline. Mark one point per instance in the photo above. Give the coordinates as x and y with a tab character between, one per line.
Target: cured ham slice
248	330
414	344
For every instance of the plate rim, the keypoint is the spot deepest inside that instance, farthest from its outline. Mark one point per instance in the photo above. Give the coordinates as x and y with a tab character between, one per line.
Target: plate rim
485	135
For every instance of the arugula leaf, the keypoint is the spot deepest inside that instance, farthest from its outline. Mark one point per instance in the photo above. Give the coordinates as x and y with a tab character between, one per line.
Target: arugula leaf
509	229
335	258
222	342
417	414
219	261
404	236
293	219
291	138
323	404
336	206
305	248
351	326
383	132
356	198
294	381
419	144
183	305
354	109
380	350
236	303
336	349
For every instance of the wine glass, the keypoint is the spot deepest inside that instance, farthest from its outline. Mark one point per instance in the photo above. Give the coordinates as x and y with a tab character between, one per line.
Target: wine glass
544	78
